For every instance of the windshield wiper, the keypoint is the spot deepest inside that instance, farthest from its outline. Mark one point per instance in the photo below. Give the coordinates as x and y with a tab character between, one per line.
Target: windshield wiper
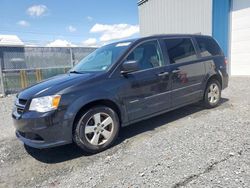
75	72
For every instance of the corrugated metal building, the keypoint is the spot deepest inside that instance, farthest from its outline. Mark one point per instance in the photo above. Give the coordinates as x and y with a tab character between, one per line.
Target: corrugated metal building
228	21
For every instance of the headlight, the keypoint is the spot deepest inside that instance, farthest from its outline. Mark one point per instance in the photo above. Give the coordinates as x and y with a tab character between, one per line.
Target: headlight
45	104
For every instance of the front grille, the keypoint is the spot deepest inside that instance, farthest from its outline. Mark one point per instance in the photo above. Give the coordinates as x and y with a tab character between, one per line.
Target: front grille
31	136
19	110
20	105
22	101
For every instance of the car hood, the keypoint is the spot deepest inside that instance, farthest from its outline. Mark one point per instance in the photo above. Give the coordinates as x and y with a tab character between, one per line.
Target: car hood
54	85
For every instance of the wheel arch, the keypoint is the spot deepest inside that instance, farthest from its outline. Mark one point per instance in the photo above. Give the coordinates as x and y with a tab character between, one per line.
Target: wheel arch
100	102
213	77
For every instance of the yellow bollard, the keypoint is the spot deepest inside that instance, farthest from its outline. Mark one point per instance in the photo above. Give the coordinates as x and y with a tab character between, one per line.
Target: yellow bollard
23	76
21	79
38	75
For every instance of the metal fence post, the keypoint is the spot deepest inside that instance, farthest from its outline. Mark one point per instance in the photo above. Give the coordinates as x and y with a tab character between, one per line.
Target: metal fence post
71	57
1	79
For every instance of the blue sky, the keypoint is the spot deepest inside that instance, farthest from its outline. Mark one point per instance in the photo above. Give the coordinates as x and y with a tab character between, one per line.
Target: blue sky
78	22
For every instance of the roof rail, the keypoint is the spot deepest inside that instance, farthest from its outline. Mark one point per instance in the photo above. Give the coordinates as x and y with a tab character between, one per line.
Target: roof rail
140	2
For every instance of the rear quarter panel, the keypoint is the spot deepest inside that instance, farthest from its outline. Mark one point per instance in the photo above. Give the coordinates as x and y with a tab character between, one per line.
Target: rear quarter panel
216	66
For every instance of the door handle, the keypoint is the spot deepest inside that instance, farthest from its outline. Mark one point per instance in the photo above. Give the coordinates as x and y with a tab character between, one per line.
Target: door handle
176	71
163	74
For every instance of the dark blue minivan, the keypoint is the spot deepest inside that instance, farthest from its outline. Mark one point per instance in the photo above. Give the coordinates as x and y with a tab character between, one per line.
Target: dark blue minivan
119	84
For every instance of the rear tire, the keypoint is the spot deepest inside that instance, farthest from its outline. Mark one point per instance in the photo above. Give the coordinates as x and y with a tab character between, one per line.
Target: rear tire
212	94
96	129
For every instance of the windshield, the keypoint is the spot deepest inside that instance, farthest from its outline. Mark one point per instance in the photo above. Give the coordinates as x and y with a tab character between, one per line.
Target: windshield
102	58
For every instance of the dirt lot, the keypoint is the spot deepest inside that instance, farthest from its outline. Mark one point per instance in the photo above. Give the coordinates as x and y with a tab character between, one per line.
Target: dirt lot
191	147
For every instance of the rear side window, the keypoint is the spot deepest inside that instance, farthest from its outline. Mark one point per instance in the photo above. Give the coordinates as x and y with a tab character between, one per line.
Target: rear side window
180	50
208	47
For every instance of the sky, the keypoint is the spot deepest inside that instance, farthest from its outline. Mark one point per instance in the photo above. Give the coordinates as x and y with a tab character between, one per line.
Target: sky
69	22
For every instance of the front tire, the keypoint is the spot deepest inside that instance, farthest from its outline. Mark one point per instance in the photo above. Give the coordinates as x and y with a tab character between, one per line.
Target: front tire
96	129
212	94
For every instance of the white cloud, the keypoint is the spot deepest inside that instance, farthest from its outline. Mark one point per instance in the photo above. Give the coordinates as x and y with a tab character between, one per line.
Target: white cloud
72	29
23	23
10	40
91	42
37	10
60	43
114	32
89	18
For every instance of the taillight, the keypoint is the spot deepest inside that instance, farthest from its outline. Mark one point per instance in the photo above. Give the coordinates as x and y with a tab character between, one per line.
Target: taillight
225	61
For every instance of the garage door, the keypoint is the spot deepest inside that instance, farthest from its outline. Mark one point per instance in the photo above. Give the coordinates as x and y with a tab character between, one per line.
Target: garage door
240	41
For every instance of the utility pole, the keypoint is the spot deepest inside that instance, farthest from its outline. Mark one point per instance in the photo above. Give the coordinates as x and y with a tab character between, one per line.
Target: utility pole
2	90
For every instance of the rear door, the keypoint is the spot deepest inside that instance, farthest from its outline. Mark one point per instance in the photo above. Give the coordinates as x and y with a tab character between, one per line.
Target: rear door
147	90
187	71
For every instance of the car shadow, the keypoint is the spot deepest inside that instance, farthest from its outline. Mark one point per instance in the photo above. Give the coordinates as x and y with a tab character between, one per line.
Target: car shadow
71	151
160	120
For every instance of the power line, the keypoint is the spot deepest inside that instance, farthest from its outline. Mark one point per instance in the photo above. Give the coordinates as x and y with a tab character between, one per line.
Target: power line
38	33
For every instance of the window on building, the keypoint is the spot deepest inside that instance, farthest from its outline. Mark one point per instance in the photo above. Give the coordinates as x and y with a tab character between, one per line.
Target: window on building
208	47
180	50
148	55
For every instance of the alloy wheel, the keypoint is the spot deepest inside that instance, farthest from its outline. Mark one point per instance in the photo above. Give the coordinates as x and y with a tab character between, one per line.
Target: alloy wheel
99	128
213	93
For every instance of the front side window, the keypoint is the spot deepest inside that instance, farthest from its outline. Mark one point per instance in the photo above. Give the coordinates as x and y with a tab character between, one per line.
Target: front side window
180	50
208	47
148	55
102	58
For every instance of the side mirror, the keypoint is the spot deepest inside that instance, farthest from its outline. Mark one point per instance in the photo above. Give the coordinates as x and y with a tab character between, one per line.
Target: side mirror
129	66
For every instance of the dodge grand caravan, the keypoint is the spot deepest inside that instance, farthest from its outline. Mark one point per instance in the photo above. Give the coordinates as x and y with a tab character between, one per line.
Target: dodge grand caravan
119	84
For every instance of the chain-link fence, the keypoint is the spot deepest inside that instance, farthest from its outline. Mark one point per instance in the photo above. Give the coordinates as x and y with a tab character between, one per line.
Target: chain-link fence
24	66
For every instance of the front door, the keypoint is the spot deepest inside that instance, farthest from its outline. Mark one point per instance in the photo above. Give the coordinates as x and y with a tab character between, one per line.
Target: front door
147	90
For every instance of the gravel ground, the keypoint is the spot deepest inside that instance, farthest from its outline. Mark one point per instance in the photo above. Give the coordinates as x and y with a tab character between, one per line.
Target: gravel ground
188	147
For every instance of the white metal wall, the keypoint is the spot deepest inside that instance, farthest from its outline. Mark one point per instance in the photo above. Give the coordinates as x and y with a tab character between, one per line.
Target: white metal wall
240	37
173	16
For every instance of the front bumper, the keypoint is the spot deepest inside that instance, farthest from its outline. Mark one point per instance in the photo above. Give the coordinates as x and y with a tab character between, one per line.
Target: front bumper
42	130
